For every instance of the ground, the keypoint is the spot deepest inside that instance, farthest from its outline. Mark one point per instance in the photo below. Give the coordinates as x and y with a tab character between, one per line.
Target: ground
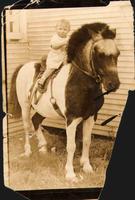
47	171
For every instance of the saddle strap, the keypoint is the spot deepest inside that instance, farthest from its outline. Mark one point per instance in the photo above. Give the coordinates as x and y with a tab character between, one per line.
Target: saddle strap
33	90
53	101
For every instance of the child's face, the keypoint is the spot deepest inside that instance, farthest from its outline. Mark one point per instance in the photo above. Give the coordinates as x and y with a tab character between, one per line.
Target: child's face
62	30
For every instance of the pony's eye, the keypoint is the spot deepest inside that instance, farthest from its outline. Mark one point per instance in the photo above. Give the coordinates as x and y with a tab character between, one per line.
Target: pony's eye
111	56
101	55
101	72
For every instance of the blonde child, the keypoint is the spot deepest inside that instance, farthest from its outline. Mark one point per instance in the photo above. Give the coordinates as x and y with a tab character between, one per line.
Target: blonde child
57	53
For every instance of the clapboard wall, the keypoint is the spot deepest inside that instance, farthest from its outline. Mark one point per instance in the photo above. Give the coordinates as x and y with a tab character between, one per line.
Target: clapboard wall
40	28
17	54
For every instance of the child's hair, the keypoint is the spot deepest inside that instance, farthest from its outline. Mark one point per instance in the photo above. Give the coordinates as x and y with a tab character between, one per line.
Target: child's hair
63	22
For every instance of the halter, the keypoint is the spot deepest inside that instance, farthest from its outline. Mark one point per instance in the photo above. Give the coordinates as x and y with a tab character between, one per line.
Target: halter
94	74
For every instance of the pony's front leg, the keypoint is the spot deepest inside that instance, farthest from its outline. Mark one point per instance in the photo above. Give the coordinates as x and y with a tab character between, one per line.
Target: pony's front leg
27	129
87	129
71	132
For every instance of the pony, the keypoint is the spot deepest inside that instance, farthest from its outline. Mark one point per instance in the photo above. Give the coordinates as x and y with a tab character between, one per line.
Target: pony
91	67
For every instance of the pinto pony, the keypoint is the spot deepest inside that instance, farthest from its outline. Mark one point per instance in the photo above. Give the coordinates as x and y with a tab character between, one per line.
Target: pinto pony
91	65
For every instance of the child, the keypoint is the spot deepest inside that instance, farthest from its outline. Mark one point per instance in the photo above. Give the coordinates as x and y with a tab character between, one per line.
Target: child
57	53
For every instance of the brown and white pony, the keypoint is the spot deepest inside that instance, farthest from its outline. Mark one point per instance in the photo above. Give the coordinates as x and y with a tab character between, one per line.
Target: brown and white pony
91	64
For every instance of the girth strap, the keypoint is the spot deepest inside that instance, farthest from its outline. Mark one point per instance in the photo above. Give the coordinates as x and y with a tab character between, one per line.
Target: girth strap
53	100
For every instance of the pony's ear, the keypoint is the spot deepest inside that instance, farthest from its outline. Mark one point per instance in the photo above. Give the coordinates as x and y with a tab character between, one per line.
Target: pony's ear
109	33
113	31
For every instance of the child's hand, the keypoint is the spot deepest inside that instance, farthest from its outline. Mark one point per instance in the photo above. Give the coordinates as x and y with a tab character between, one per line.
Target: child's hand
63	47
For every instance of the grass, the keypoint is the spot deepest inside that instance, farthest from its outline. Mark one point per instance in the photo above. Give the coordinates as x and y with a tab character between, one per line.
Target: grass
47	171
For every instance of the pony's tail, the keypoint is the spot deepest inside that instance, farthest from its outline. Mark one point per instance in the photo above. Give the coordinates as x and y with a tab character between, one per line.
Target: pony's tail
13	106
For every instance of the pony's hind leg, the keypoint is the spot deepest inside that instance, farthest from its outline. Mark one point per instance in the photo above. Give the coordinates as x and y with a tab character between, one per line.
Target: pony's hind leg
27	129
71	132
37	120
87	129
42	144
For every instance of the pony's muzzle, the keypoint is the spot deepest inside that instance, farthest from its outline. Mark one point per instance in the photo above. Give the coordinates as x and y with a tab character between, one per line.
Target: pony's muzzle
113	86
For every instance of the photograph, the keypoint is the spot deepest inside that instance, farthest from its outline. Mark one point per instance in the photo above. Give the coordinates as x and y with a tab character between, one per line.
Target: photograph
66	74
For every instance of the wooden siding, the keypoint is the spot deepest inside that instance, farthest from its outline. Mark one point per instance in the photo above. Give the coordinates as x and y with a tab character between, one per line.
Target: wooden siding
5	131
17	54
40	28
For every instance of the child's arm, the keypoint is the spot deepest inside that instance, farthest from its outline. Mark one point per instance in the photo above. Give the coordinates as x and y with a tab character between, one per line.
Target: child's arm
56	44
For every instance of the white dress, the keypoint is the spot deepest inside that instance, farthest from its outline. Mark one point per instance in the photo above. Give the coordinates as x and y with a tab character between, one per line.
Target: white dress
56	56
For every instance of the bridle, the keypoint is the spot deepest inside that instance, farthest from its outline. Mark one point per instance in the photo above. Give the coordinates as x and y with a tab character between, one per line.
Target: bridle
94	73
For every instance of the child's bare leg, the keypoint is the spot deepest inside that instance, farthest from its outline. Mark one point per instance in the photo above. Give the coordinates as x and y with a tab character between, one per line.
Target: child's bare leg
45	75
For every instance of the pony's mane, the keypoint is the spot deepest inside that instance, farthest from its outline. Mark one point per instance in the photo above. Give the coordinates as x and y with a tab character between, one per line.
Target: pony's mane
84	34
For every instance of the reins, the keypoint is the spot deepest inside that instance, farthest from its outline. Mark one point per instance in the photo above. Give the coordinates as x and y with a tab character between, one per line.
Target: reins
94	74
82	70
53	101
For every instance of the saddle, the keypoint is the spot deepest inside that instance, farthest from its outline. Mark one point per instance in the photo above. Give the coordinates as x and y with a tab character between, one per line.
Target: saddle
39	70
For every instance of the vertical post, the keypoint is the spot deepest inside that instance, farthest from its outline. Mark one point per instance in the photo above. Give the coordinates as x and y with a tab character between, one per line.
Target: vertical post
4	105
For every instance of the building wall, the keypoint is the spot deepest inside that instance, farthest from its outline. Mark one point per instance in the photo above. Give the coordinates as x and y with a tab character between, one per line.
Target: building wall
17	54
40	28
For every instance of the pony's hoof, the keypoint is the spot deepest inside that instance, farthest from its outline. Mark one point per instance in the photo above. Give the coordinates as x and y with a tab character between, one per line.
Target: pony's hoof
43	150
26	154
72	178
31	135
87	168
53	149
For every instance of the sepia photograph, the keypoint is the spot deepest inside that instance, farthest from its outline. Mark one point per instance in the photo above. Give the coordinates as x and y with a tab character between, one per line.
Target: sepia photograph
65	85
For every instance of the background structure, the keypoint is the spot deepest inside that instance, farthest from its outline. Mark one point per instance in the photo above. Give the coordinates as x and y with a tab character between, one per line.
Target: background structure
28	36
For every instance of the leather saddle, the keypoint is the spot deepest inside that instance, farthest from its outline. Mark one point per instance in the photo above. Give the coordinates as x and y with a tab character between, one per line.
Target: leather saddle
39	70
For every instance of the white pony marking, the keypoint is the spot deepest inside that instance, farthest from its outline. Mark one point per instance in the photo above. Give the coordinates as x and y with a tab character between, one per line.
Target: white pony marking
87	130
71	146
71	132
25	77
24	82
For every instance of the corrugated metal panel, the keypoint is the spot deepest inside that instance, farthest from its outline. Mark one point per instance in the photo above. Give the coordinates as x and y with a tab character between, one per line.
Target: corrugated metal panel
41	26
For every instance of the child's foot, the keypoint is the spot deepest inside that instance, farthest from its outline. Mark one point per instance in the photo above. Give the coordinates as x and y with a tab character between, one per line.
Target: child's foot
41	81
40	85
